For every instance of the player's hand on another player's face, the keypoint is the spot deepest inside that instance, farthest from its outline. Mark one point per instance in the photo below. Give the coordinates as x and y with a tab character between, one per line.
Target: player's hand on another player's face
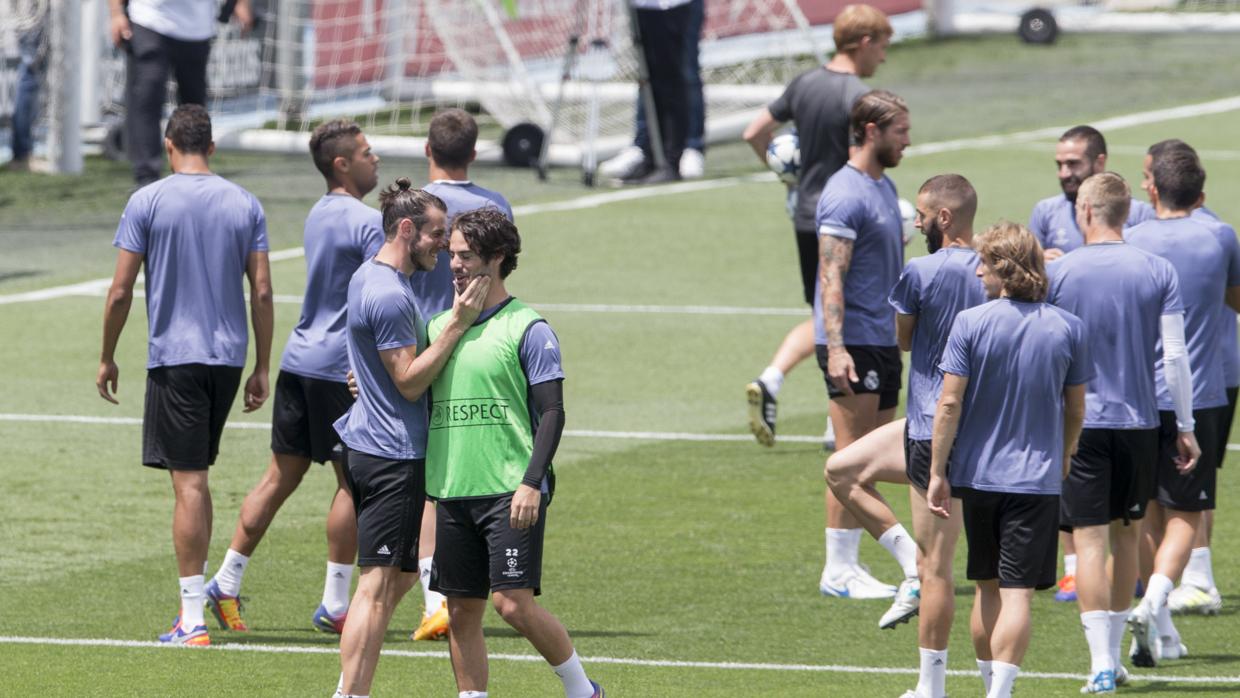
1188	452
525	502
1051	254
841	369
469	304
939	497
107	376
256	391
352	381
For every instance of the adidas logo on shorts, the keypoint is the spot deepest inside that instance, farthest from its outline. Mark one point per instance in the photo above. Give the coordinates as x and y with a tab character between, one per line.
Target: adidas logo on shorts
383	550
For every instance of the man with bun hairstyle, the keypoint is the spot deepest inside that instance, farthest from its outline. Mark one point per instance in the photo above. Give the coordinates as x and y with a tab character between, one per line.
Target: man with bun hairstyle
497	413
341	233
385	430
1013	400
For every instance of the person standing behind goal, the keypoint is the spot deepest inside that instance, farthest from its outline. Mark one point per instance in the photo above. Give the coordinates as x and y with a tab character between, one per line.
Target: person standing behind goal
197	234
341	233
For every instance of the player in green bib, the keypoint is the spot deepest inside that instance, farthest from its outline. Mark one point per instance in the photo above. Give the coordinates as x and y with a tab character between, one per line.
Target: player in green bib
497	412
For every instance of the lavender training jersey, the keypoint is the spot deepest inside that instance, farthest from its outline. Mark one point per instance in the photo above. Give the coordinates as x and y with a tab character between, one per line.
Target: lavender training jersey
856	207
934	288
1207	265
382	315
1018	358
1121	293
1231	343
1053	222
340	233
433	289
196	233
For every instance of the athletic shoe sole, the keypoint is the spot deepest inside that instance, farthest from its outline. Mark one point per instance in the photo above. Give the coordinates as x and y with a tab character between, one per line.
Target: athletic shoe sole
757	419
1142	655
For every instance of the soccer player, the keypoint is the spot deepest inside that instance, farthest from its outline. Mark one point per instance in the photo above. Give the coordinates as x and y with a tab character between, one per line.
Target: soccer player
340	233
1081	152
449	152
819	104
1208	266
861	253
1013	401
929	293
197	234
1128	300
497	413
385	430
1197	592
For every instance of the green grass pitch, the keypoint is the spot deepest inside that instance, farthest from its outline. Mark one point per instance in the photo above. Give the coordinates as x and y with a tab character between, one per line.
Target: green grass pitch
680	567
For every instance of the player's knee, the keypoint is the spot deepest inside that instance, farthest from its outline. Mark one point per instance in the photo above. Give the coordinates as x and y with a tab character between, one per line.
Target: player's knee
840	472
514	610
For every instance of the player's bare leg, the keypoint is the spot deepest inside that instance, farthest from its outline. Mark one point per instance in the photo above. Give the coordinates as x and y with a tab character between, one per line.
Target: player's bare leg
936	539
379	590
284	473
466	644
434	624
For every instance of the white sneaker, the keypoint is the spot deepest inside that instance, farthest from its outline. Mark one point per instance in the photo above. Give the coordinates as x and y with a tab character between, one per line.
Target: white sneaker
906	605
624	164
1188	598
1144	652
856	584
692	164
1171	648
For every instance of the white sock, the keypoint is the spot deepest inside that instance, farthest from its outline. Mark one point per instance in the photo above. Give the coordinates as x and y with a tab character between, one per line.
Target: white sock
336	588
1156	593
842	545
192	599
1119	623
1199	572
830	434
472	694
1097	626
1166	629
985	668
1005	676
900	544
433	599
773	379
932	681
573	676
228	576
1069	564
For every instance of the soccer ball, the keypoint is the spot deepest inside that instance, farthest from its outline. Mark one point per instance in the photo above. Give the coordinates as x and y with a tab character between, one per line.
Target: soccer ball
783	156
907	213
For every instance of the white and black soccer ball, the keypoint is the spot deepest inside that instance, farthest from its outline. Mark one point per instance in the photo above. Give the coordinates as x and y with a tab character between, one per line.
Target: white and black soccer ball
783	156
907	213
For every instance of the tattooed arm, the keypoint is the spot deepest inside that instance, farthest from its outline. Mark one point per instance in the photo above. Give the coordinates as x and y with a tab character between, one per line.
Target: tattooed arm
835	256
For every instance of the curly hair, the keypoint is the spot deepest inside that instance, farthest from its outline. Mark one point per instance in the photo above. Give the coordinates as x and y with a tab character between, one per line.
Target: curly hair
489	233
1015	256
400	200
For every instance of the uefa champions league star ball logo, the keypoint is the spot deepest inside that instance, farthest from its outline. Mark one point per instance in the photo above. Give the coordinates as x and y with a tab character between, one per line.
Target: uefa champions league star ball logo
512	562
871	380
437	416
1061	236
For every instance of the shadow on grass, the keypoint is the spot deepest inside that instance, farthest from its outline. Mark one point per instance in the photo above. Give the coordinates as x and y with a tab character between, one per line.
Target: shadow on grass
504	631
21	274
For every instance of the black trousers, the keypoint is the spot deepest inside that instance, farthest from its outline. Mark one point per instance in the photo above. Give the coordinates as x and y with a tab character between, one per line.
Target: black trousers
665	38
150	58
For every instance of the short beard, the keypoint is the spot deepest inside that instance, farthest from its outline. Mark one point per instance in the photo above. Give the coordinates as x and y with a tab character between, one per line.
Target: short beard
934	237
888	157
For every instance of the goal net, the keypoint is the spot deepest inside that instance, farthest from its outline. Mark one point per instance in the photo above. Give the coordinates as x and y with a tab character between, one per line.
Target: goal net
390	64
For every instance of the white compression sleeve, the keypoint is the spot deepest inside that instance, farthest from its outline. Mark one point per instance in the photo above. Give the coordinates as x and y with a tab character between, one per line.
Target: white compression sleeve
1176	370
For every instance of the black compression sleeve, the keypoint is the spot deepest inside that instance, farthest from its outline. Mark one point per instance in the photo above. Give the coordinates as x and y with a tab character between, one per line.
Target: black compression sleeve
547	401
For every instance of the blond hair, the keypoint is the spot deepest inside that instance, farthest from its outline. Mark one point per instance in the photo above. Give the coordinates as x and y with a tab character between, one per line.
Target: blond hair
1108	197
1015	256
855	22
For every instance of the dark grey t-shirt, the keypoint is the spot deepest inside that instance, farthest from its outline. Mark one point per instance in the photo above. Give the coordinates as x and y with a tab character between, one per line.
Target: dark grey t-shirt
818	102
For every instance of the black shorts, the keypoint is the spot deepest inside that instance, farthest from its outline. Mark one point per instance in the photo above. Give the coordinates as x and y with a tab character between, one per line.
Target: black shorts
879	369
1012	537
807	253
302	417
477	551
1224	433
917	461
186	407
1111	478
388	496
1194	491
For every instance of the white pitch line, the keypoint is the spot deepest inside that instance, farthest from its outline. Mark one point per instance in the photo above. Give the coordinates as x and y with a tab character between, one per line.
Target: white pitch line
575	433
624	661
1218	106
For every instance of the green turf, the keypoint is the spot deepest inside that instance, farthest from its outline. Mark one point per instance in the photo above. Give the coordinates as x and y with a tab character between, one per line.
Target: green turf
656	550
